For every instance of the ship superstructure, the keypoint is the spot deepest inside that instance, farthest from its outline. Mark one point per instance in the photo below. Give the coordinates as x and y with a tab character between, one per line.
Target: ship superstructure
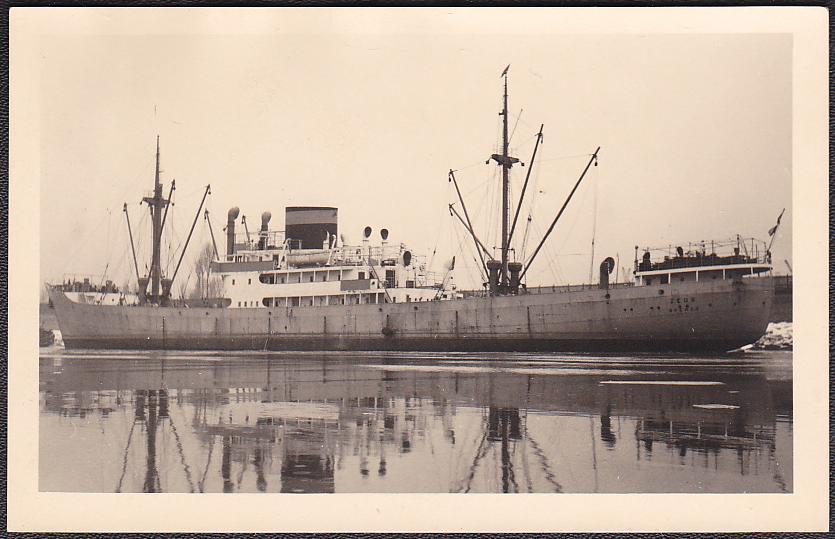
308	265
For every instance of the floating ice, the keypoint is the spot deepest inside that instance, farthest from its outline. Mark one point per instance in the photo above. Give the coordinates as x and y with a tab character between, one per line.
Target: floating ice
778	336
662	382
716	406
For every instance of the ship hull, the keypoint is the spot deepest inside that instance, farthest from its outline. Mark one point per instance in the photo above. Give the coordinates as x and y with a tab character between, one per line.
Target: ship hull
689	317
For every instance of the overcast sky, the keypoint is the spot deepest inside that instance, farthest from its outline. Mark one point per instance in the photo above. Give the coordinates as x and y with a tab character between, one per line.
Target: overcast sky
695	135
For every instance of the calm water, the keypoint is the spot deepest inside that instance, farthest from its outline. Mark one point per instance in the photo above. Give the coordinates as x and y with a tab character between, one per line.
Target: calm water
335	422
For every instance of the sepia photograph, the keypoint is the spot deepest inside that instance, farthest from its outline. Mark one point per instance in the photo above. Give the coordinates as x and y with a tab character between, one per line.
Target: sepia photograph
316	251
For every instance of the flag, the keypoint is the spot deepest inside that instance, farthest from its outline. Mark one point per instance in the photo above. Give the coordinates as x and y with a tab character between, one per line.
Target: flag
505	71
773	230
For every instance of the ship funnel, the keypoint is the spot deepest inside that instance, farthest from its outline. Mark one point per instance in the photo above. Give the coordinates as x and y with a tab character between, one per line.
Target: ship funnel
230	229
606	268
265	227
303	225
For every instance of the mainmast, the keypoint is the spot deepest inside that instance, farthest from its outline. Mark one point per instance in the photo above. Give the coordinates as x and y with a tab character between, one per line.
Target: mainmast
157	203
506	162
505	186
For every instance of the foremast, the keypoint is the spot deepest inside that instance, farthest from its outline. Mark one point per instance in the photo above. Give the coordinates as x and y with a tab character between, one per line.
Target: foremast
157	203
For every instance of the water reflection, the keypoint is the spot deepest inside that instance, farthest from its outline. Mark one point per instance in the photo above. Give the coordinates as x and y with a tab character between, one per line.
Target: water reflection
414	423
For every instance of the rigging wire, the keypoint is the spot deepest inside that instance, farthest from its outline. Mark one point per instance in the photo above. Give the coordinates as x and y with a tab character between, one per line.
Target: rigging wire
594	223
564	157
518	117
531	205
458	249
525	237
440	227
85	238
550	258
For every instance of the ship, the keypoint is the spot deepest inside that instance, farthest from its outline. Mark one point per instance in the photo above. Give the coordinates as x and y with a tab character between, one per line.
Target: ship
306	287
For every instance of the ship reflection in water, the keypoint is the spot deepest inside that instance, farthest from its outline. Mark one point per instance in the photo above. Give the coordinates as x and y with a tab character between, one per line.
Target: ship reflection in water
129	422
